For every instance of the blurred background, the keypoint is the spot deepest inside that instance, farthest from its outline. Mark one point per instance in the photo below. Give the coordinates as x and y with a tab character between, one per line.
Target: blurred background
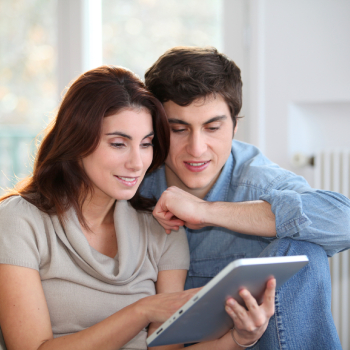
294	56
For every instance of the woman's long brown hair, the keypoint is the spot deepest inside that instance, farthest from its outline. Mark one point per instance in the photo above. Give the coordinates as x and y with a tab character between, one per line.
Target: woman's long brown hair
58	181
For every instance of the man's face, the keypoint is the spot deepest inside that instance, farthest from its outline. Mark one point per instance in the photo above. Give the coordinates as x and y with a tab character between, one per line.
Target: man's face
200	143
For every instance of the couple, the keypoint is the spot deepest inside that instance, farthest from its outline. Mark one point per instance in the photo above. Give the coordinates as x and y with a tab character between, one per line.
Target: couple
84	265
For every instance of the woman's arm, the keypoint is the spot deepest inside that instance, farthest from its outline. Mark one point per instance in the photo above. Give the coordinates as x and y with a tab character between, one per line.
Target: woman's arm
168	281
25	320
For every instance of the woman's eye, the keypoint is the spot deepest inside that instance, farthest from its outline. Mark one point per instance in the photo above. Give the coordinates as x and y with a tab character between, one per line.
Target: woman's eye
146	145
117	145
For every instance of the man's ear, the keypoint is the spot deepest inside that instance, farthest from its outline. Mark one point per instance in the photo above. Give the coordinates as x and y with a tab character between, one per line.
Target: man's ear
235	130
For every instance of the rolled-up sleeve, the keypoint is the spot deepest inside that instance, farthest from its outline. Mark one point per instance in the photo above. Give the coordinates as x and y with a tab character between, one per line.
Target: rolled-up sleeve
317	216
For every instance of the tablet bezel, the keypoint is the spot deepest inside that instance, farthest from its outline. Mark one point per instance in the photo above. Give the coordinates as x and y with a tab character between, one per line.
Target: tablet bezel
204	317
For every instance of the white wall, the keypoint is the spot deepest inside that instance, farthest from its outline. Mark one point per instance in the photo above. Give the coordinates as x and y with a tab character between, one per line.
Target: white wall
299	66
79	38
299	94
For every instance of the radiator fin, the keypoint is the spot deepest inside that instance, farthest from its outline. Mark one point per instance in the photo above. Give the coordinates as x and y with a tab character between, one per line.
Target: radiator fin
332	172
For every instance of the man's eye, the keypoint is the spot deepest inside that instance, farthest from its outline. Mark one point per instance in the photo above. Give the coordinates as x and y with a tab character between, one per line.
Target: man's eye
178	130
214	128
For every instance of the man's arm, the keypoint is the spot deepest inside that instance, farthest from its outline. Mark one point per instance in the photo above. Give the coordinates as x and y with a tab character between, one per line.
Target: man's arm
177	207
320	217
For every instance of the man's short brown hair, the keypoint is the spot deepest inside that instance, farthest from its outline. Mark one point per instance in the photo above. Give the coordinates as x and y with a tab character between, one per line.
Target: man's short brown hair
184	74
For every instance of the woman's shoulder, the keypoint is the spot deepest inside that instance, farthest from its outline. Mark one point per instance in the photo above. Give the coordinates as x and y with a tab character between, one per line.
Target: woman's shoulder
21	233
17	205
141	221
144	219
16	211
164	249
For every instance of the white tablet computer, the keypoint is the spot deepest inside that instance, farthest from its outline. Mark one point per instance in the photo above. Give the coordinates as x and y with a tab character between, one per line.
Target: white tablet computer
204	317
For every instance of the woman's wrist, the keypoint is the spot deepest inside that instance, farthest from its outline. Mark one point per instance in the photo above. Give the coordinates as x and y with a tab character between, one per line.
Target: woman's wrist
140	308
244	343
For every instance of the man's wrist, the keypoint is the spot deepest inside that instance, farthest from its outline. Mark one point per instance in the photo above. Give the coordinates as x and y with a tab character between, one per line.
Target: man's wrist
211	214
207	214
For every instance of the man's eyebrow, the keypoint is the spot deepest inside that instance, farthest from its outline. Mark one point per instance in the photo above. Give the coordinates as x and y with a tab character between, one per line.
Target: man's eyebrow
177	121
118	133
211	120
215	119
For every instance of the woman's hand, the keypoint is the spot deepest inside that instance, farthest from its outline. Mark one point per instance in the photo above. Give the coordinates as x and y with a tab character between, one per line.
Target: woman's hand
159	307
250	325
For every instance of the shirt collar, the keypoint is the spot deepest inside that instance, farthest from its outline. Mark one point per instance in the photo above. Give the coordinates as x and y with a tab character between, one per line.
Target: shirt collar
219	190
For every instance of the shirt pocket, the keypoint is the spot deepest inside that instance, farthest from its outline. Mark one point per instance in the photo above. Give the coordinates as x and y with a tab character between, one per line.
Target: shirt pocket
210	267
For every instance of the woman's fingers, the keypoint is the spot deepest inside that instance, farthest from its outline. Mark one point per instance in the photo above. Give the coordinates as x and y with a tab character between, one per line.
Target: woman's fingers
269	297
257	313
249	300
251	322
159	307
238	314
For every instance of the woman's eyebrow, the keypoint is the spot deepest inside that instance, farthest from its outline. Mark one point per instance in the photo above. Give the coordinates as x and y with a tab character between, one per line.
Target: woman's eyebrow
118	133
149	135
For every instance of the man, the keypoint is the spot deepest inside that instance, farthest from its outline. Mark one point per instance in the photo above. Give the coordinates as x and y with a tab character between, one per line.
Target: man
236	203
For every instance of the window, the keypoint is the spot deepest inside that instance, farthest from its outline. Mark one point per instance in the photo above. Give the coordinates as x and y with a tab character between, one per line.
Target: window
27	80
137	32
134	34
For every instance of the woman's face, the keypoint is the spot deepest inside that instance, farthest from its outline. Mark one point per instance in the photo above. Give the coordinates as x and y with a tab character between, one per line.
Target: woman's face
119	163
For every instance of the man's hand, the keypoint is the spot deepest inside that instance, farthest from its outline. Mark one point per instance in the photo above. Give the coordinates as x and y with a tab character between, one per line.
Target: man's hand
177	208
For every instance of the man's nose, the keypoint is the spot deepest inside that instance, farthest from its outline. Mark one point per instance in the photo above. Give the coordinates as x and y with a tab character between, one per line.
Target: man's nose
196	144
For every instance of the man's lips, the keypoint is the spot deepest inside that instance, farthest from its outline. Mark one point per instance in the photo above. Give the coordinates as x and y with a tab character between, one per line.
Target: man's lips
197	166
127	181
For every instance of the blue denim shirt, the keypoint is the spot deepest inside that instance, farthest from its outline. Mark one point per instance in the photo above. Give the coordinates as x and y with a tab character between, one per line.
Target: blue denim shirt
302	213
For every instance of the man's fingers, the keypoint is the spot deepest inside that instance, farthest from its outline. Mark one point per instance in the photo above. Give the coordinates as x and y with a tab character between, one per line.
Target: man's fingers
168	220
168	215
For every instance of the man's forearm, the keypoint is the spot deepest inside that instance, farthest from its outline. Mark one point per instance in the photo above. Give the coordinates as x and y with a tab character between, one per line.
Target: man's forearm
176	207
252	218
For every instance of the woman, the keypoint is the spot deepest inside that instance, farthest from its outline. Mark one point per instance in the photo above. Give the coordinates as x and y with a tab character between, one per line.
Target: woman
81	260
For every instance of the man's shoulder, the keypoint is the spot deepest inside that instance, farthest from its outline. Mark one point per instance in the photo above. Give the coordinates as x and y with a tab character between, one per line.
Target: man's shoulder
245	153
252	167
154	183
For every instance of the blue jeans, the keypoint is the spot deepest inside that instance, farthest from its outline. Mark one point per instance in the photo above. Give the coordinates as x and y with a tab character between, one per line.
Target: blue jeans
302	319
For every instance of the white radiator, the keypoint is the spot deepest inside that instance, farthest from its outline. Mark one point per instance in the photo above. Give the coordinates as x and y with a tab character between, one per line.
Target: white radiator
332	172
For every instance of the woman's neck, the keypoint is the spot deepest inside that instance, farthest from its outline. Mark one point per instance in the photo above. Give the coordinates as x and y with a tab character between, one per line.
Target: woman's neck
101	232
98	211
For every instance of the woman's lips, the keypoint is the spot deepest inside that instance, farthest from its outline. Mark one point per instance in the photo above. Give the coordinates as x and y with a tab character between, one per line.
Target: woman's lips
127	181
197	166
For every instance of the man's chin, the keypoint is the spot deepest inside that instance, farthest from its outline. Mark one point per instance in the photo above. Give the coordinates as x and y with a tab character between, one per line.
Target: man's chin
195	186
